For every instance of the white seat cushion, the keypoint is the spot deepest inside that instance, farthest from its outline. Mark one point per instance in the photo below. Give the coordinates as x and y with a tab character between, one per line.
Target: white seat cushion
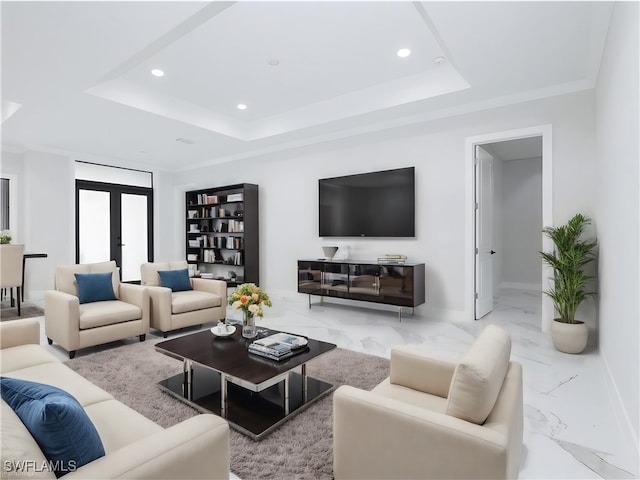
191	300
111	432
61	376
479	376
99	314
24	356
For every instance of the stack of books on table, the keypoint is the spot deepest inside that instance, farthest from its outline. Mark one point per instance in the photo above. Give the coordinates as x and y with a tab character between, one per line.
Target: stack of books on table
278	346
397	259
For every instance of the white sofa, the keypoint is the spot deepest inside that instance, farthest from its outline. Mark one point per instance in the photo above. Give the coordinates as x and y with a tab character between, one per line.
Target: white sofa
434	418
74	325
135	447
207	302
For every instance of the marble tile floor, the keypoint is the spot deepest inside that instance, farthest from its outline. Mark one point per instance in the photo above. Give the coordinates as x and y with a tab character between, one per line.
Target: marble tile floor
570	428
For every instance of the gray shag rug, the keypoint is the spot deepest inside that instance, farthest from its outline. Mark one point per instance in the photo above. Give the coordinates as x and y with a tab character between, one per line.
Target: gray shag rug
300	449
7	312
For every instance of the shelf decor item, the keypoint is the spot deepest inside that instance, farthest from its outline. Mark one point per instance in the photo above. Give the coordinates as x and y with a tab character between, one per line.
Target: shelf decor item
329	252
251	299
568	258
5	237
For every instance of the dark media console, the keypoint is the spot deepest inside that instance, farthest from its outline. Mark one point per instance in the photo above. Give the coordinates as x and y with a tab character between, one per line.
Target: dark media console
386	283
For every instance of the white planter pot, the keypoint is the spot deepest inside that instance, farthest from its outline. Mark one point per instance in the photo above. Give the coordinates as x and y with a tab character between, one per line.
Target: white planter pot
569	337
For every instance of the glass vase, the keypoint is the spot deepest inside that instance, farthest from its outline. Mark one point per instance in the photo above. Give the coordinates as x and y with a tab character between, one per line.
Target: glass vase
249	329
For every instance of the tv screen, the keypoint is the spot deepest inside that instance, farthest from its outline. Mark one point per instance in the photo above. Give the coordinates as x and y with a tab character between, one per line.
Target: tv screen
376	204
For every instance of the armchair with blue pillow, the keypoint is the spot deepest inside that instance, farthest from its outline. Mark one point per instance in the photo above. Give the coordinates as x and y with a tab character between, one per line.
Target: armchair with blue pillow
178	301
90	306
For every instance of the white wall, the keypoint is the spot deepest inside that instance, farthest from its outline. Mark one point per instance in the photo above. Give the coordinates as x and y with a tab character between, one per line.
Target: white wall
617	214
288	190
522	223
46	185
48	218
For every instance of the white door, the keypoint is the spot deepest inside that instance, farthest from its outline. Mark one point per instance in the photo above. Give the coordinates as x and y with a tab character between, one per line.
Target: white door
483	228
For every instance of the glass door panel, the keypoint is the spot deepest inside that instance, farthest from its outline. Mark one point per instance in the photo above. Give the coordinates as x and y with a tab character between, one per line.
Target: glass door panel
114	222
134	235
94	229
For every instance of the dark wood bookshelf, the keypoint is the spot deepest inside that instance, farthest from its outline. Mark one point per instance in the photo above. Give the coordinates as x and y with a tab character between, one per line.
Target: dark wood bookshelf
221	225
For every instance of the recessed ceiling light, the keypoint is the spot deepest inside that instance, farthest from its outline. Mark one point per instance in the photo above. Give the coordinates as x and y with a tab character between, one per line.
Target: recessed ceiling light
274	62
156	72
403	52
241	106
439	59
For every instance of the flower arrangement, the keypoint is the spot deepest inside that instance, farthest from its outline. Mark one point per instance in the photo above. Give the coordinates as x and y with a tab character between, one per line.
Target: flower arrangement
249	298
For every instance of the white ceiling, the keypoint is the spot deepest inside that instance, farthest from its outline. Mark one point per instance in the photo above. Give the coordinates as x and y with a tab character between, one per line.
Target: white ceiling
76	75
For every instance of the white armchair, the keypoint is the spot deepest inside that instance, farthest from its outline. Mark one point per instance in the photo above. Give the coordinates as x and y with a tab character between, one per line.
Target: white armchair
433	418
74	324
206	301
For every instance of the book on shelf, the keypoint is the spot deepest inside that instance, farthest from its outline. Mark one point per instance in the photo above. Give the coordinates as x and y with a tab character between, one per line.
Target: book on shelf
192	270
396	259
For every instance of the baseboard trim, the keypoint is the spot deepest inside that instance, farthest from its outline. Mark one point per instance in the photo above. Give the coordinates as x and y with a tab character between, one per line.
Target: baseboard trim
622	417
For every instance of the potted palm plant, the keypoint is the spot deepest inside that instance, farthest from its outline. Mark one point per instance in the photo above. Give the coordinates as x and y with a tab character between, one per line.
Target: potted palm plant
568	259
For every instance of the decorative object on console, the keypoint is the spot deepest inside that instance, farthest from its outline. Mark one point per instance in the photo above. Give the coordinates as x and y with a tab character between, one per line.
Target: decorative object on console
251	299
569	256
329	252
389	259
5	237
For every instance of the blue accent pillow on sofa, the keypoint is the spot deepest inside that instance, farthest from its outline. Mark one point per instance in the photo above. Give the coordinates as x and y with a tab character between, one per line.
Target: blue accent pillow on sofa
95	287
56	420
176	280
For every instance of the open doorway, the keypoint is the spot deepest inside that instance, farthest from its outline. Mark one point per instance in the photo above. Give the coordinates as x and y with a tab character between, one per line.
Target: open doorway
513	217
516	206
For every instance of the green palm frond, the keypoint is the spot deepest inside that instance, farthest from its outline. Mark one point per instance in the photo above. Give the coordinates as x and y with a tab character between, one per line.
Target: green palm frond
567	260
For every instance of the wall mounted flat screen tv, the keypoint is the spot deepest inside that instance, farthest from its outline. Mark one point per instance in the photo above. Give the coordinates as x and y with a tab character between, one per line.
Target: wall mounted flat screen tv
375	204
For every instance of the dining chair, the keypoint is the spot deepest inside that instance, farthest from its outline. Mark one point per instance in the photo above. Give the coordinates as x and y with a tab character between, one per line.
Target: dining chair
11	270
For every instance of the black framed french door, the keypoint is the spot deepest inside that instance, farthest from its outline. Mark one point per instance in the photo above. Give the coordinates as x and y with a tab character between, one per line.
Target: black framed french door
114	222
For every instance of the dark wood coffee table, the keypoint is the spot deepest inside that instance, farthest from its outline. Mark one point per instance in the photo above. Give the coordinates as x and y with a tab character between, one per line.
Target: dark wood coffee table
254	394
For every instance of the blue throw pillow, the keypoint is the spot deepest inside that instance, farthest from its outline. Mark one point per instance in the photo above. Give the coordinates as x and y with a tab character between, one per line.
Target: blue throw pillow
56	420
95	287
176	280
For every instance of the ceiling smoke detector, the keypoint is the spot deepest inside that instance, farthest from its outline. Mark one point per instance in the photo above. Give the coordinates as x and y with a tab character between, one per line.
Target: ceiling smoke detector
439	60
